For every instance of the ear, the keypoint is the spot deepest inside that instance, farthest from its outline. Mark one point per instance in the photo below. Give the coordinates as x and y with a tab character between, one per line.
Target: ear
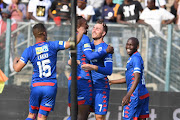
104	33
137	47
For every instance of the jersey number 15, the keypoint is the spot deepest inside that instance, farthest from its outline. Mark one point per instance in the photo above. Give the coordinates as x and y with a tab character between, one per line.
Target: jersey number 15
43	67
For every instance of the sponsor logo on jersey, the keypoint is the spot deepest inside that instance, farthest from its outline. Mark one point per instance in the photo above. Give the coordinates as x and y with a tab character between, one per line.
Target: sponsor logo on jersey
87	45
60	42
42	49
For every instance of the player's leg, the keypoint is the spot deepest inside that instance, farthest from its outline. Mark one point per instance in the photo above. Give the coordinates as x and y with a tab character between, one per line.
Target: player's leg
83	112
33	103
145	109
41	117
47	101
84	93
101	102
100	117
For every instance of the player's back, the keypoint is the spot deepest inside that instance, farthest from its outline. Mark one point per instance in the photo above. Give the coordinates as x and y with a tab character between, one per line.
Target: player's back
83	45
43	56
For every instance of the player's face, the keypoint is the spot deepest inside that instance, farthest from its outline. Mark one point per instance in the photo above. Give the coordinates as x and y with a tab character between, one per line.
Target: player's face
108	2
97	31
131	47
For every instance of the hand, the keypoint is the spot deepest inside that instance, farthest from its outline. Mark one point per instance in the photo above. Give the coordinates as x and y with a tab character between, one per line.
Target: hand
125	100
110	49
88	67
57	20
110	82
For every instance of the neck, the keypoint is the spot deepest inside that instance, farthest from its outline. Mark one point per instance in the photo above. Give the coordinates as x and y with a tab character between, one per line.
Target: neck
38	40
98	41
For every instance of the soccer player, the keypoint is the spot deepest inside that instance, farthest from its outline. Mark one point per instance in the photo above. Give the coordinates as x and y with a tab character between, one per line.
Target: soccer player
43	56
100	68
136	101
84	83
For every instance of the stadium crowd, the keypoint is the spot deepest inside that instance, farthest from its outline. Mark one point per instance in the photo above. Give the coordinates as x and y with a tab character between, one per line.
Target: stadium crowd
111	11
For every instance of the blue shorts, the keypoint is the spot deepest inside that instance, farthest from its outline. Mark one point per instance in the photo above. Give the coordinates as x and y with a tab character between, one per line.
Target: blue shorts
137	108
42	97
101	101
84	92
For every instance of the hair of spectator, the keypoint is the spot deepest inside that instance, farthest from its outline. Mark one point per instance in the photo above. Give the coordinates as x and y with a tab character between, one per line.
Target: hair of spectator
135	40
105	28
152	0
39	29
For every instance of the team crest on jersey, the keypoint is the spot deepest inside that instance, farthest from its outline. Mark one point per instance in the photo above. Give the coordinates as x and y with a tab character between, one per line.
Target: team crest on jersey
129	60
42	49
87	45
99	49
60	42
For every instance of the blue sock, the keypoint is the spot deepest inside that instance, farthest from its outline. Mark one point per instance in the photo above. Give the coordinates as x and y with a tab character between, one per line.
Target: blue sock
29	119
69	118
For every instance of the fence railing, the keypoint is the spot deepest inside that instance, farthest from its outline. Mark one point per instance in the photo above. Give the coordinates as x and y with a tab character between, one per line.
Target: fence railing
153	48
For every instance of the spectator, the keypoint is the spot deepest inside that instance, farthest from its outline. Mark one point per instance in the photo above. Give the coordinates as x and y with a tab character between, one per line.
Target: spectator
174	9
3	21
118	1
2	4
39	10
18	10
109	13
97	5
154	16
178	15
128	12
158	3
61	8
86	11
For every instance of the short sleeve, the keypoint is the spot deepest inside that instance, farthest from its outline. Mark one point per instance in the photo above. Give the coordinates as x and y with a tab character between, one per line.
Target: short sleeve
25	56
59	45
137	65
31	7
87	45
120	10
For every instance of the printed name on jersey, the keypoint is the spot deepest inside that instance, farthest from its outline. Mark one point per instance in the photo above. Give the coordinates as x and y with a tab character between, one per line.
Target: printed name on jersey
99	49
42	49
43	56
87	45
60	42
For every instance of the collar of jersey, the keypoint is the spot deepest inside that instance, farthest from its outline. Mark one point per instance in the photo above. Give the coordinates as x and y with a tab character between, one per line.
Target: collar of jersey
40	42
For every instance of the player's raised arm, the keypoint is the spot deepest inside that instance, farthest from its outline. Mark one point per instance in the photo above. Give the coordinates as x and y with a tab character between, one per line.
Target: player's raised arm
69	43
18	64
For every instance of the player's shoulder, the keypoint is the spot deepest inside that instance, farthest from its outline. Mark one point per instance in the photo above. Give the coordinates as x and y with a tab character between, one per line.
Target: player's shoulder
137	56
85	38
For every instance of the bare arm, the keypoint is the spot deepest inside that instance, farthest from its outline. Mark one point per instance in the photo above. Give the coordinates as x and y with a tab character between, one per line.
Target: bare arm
118	19
78	38
18	65
126	99
118	81
32	17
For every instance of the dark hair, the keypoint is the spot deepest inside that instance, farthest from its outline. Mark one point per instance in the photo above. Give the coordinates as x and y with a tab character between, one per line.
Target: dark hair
105	28
80	21
134	39
39	29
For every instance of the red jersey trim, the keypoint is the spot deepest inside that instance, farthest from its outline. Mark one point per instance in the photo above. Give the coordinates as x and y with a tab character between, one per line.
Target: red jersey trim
43	84
45	108
144	116
144	96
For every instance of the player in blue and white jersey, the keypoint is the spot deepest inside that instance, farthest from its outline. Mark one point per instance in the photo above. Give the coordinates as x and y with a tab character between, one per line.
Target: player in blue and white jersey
84	83
136	101
100	68
43	56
